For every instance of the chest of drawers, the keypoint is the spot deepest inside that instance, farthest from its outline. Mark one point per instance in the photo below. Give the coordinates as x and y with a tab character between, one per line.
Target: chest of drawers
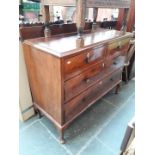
66	80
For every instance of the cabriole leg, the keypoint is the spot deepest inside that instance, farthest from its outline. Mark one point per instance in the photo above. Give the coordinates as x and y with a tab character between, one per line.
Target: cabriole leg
126	74
39	114
62	140
117	88
37	111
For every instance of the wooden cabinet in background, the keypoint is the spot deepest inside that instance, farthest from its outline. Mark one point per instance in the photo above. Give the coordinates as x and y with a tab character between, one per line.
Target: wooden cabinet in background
66	80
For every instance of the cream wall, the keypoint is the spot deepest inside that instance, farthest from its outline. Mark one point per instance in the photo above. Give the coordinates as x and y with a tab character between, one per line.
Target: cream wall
26	109
103	13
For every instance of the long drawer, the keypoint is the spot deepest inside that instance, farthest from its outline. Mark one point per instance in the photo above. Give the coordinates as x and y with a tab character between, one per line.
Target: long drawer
85	99
84	80
81	82
83	60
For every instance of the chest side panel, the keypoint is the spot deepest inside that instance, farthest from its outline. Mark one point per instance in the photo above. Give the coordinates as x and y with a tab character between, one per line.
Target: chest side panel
44	72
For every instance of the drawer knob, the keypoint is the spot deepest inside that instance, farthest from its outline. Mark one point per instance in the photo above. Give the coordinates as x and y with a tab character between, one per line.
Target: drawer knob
115	63
119	45
84	99
111	79
103	65
87	80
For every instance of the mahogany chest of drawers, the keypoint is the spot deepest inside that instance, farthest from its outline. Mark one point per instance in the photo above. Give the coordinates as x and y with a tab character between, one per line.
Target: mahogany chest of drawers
66	80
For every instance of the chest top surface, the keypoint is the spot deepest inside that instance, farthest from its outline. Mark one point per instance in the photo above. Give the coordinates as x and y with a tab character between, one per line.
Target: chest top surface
64	46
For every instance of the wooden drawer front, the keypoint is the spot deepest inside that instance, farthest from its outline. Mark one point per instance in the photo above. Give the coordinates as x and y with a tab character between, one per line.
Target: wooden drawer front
81	82
87	98
115	63
80	61
118	48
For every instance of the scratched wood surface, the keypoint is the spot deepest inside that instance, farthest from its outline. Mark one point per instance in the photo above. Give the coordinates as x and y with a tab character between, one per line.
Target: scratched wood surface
57	46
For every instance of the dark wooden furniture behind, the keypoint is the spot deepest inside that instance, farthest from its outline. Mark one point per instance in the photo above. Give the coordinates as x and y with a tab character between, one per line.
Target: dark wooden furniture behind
66	80
30	31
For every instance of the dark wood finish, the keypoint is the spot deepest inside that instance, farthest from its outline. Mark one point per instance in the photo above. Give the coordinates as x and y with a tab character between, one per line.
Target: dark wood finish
62	140
109	24
65	80
117	88
44	77
87	78
30	31
83	100
31	24
129	62
117	48
88	57
68	28
57	45
88	26
131	67
84	80
46	57
56	29
126	73
81	9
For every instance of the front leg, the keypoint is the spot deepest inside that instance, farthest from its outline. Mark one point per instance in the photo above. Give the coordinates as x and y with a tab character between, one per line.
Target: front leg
37	111
40	114
117	88
126	74
62	140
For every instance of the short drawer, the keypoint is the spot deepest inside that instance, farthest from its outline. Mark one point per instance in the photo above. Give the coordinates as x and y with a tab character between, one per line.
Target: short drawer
118	47
116	62
89	56
87	98
84	80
